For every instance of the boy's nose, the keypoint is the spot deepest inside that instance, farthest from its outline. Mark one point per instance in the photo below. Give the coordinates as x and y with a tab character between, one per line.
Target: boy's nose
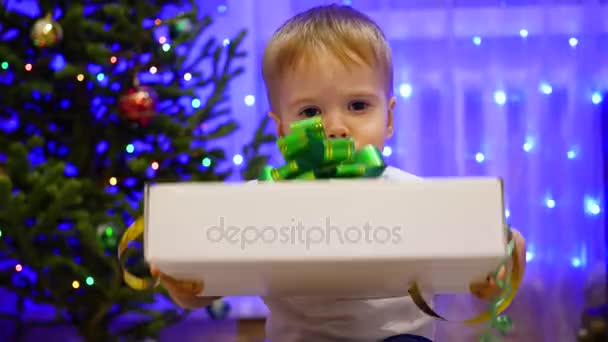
343	133
335	129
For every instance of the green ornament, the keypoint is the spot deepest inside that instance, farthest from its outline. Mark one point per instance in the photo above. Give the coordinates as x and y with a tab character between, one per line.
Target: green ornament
180	27
108	236
503	323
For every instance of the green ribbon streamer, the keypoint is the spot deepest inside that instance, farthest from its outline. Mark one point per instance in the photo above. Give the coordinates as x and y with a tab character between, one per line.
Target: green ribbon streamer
310	155
502	324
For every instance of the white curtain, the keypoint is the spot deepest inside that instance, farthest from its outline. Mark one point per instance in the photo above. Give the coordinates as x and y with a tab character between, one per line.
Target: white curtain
487	87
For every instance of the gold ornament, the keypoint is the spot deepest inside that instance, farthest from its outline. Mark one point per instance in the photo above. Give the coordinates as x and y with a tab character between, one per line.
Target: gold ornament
46	32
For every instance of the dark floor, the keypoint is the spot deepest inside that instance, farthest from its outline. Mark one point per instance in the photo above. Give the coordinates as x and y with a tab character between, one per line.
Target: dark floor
187	331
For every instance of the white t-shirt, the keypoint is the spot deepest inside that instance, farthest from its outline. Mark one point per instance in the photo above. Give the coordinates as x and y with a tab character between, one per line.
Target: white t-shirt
304	319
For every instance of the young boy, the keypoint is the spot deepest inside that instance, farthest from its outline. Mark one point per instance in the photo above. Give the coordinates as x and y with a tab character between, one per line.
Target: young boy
334	62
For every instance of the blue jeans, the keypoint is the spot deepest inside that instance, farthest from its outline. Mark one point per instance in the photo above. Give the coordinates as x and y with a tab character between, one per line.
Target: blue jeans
407	338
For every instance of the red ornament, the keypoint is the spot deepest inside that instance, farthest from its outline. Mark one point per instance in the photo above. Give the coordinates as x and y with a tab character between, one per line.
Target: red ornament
138	104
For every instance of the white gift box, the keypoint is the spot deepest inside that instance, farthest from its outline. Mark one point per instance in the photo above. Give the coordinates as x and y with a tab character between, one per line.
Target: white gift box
355	237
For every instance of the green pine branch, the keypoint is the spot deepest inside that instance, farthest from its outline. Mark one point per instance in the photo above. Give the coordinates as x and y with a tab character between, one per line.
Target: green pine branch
255	160
50	219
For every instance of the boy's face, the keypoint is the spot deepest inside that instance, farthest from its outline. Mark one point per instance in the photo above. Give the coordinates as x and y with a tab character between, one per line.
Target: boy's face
351	100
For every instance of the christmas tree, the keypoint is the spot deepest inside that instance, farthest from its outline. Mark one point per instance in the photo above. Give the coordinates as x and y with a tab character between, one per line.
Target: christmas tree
98	99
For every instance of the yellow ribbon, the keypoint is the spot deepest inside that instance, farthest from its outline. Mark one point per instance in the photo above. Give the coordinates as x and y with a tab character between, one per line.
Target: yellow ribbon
134	232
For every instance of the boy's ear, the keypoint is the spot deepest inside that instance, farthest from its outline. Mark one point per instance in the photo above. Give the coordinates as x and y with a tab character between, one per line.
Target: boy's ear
277	122
390	122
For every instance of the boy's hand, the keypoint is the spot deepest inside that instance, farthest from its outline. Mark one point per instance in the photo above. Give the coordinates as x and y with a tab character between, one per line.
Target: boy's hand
184	293
488	289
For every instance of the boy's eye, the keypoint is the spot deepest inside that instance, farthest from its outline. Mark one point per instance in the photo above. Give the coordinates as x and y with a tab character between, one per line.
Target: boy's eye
310	112
358	106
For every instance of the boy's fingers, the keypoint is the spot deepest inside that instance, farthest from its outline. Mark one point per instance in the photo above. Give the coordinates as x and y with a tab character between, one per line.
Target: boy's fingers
188	286
484	291
502	272
477	289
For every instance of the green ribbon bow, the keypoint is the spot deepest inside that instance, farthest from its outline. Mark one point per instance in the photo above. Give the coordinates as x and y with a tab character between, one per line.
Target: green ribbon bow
310	155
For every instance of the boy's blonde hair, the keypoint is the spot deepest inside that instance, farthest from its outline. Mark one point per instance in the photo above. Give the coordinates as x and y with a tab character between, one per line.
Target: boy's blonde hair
342	31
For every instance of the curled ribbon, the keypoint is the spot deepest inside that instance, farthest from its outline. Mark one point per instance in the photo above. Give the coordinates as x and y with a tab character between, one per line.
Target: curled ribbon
499	304
134	232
